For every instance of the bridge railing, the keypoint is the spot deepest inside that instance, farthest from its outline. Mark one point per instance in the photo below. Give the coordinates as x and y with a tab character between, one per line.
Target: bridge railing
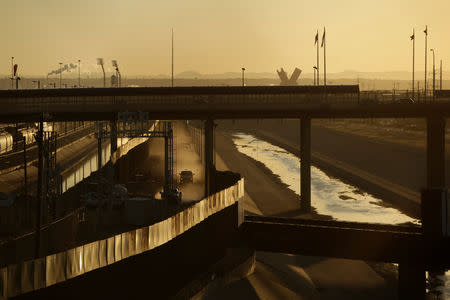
45	271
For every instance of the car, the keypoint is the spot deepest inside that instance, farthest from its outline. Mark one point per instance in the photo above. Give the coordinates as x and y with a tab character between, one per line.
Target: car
186	176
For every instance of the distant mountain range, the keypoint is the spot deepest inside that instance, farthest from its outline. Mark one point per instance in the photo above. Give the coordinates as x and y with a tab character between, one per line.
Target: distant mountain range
347	74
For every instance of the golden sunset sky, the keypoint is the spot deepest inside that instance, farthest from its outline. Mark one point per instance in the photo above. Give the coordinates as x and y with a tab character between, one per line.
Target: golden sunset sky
220	36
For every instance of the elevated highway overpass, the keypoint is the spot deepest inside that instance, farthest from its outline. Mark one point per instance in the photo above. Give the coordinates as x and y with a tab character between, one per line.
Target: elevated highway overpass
207	102
305	103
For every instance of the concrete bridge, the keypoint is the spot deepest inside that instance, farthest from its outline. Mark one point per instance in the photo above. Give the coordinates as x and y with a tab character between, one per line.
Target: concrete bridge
206	102
416	250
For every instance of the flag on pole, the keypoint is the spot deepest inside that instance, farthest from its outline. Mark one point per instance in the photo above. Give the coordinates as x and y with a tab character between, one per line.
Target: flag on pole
15	69
323	37
412	36
316	40
426	30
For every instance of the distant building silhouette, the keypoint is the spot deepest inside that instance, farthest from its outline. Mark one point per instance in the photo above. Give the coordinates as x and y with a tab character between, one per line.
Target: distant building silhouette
289	81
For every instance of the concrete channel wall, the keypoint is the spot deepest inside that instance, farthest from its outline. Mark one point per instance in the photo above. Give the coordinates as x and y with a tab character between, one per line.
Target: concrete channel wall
47	271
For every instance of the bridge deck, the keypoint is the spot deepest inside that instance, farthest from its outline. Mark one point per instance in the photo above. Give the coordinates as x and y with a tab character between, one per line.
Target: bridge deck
388	243
207	102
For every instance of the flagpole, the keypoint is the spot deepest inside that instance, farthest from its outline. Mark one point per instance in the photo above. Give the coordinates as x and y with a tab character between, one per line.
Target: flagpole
172	57
426	53
317	56
414	50
324	60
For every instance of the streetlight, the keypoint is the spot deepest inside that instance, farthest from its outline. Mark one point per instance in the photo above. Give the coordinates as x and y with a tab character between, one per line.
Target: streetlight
79	73
434	73
315	69
60	75
100	63
12	72
243	70
118	76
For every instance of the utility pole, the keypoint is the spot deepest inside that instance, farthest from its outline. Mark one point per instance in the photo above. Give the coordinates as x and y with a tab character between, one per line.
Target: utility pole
440	76
426	54
243	70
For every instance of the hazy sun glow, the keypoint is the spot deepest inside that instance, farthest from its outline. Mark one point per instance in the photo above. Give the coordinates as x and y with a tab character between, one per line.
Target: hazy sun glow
219	36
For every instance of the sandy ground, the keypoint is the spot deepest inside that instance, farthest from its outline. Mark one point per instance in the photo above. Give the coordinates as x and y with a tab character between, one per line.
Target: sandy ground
284	276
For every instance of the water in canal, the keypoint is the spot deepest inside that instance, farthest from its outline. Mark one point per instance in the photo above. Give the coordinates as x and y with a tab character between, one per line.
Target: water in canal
330	196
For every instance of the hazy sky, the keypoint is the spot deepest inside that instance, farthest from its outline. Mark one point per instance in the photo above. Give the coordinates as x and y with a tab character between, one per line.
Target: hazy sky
220	36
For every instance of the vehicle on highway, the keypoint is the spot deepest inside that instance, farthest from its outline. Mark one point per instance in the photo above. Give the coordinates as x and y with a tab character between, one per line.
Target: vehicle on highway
186	176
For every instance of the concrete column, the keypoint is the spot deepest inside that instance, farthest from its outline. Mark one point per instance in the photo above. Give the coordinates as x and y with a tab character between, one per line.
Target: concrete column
435	151
411	281
40	188
209	156
434	199
166	166
305	164
113	136
99	153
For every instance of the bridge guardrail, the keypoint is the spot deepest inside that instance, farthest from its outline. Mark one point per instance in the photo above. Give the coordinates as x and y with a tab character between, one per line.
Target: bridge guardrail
43	272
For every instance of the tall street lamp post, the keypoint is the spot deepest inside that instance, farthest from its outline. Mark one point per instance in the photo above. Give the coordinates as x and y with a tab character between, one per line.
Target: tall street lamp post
60	75
100	63
315	69
434	73
426	54
12	72
79	73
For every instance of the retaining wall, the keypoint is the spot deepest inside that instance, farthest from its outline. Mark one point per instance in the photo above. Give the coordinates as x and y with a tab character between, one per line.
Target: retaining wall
34	275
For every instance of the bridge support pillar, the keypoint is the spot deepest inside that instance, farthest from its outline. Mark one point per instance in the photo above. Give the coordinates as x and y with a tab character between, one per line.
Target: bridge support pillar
209	157
435	151
411	281
99	153
305	164
434	199
113	136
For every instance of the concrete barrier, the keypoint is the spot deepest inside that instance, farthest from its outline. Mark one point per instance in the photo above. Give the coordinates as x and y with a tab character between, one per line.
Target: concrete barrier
75	262
27	282
43	272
